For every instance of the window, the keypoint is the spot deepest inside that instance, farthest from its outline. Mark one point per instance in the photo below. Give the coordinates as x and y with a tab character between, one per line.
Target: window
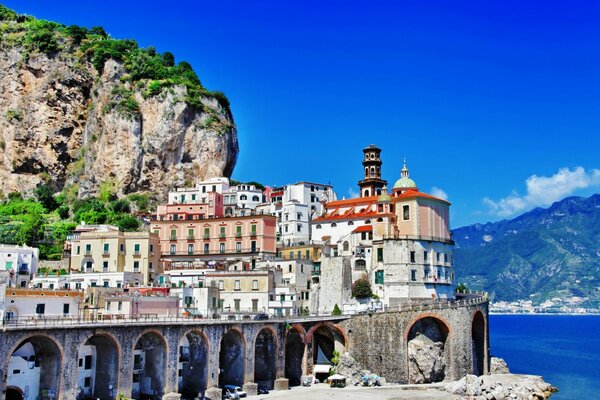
333	225
255	198
299	228
238	231
206	233
413	275
350	223
104	266
65	308
136	266
253	246
191	233
221	285
298	215
290	268
406	213
203	190
380	254
412	257
307	254
191	248
193	197
88	248
255	284
379	277
291	255
221	247
445	258
425	257
106	248
151	248
254	305
93	283
236	304
173	234
318	226
40	309
282	297
206	248
88	362
87	381
105	283
89	265
173	249
237	285
346	246
437	257
78	250
122	248
238	247
222	232
253	230
243	197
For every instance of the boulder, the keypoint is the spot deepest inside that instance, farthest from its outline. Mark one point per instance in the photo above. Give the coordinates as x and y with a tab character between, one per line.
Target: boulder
498	366
426	360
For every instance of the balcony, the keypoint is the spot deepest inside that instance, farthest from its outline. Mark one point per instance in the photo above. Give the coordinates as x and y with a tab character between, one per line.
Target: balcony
137	253
190	237
238	234
173	237
252	233
105	253
206	236
222	236
88	252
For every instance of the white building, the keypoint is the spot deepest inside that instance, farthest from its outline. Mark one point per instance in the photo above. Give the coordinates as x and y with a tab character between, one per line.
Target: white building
197	301
20	261
82	281
39	303
199	193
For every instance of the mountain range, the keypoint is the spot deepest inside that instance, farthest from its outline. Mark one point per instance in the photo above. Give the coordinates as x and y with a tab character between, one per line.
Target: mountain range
542	254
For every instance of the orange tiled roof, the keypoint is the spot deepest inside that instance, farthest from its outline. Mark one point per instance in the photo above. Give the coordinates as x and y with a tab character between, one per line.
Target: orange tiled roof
414	193
364	228
355	201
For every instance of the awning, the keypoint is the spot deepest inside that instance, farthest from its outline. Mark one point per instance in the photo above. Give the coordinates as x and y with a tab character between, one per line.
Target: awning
321	369
193	312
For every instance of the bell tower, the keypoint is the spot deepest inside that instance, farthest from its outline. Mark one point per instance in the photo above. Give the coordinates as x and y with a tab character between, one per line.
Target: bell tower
371	184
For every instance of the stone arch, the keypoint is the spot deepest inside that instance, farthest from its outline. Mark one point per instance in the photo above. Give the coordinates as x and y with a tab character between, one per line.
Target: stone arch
295	348
479	340
149	366
14	393
193	363
325	338
428	355
98	366
232	358
40	357
265	349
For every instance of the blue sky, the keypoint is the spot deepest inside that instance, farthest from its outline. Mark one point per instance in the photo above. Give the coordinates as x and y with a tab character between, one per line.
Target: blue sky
494	104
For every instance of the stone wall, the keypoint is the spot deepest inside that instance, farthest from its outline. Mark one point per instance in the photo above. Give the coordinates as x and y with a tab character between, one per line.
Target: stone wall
379	341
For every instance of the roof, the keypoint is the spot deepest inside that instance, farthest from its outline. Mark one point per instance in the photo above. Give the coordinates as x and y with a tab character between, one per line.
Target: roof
404	182
364	228
357	200
414	193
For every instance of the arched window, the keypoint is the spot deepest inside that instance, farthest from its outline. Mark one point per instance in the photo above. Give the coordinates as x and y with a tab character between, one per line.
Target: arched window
367	193
243	197
333	225
350	223
372	171
318	226
255	198
367	222
366	172
379	219
346	246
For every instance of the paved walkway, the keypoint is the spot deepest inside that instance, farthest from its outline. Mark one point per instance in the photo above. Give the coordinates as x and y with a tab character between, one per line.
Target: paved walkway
392	392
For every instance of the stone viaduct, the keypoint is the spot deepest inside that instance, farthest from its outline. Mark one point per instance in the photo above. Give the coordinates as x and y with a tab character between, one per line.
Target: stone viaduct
146	359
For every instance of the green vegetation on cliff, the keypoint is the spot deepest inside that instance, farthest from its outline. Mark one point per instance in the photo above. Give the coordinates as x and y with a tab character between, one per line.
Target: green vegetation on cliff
147	69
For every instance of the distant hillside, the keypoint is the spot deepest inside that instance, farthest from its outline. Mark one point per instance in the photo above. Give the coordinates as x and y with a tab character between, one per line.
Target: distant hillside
544	253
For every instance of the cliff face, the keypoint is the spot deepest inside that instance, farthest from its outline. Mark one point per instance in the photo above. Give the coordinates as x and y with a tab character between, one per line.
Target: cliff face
63	122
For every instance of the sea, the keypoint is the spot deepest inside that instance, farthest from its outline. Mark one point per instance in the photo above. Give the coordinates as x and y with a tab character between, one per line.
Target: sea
564	349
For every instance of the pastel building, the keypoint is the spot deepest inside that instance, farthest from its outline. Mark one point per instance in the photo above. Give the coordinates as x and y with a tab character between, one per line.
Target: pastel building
109	251
249	237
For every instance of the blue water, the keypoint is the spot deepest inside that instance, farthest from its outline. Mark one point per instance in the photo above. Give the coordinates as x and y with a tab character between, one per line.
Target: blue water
564	349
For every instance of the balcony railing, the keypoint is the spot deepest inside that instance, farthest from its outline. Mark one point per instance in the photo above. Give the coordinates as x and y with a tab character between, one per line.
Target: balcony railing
190	237
238	234
207	236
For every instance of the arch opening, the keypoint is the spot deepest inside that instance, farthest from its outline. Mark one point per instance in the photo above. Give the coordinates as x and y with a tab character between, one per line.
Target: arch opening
193	364
478	337
14	393
264	359
34	369
231	359
98	366
428	355
294	354
327	343
149	366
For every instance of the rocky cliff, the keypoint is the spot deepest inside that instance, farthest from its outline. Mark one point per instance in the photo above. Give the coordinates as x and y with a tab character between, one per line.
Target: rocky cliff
79	109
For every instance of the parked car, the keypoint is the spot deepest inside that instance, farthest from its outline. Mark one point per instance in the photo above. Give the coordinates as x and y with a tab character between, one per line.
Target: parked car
262	389
235	390
229	395
261	316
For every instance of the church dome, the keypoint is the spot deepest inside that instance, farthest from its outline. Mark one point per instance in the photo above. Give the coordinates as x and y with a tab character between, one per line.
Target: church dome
405	182
384	198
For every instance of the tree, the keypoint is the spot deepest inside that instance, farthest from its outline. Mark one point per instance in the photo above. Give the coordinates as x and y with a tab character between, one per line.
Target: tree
45	196
336	311
361	288
126	223
461	288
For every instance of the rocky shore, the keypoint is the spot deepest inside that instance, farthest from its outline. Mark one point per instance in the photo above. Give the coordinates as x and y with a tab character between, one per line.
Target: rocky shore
499	384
